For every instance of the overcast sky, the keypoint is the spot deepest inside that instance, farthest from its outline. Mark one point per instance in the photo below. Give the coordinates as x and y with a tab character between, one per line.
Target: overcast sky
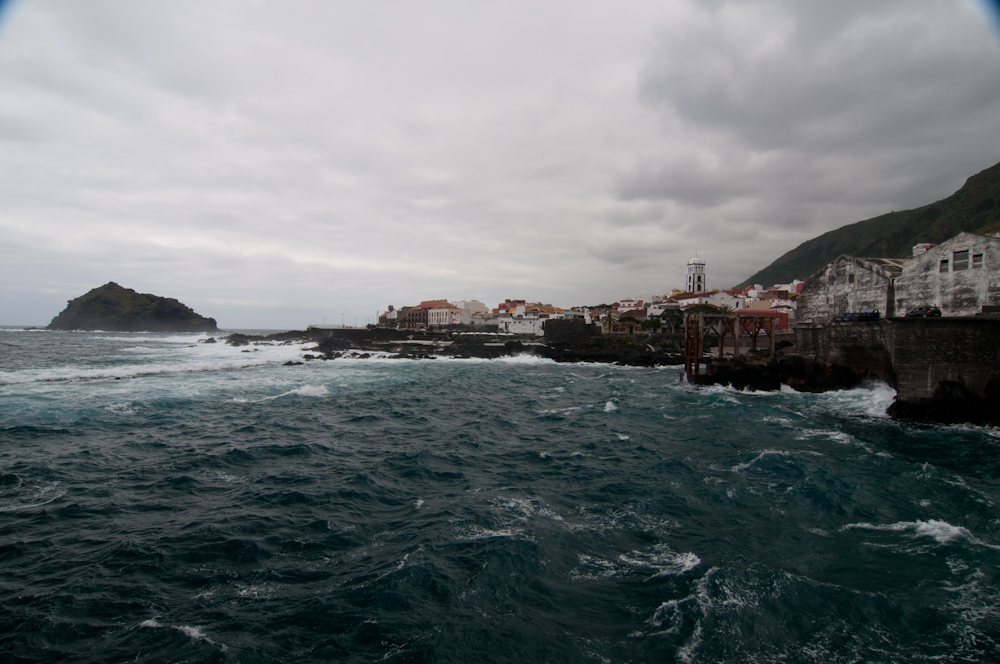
275	164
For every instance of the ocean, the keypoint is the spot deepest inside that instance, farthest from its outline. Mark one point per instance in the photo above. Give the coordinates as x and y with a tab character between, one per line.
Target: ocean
167	500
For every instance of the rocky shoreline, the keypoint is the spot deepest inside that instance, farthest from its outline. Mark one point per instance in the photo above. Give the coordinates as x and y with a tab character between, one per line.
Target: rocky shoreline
333	344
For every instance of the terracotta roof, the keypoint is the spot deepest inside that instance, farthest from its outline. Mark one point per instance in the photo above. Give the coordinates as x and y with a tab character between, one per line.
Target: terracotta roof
433	304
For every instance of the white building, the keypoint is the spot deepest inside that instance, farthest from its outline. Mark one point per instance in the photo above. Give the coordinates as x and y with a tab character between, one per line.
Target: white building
519	325
686	300
721	298
444	316
658	308
630	304
474	307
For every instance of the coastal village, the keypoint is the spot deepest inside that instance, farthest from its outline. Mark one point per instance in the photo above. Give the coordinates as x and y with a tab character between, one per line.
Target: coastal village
628	316
959	277
927	324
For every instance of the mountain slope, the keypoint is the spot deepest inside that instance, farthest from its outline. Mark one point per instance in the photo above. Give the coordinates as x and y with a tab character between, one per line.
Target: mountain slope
114	308
975	208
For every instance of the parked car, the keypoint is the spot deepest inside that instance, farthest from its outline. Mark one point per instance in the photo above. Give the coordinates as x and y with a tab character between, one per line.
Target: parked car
924	312
865	315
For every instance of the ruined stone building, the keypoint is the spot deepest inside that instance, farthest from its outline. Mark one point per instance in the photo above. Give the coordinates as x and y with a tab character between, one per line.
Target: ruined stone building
848	285
961	277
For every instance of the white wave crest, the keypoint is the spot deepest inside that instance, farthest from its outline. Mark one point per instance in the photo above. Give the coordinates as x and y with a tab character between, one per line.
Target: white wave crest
478	533
941	531
154	336
524	359
562	411
610	407
193	633
40	497
662	561
760	455
311	391
197	360
526	508
304	391
122	408
870	401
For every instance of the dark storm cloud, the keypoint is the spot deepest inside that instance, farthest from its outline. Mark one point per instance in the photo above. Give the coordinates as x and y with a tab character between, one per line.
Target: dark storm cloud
819	102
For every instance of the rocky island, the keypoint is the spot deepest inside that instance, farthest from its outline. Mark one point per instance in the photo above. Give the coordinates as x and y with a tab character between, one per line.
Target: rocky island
114	308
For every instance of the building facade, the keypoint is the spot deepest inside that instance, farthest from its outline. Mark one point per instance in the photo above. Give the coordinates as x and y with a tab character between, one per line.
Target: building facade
442	316
959	276
418	317
519	325
850	285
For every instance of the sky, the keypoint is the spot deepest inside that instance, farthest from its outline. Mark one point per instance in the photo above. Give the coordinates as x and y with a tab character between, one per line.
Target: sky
279	164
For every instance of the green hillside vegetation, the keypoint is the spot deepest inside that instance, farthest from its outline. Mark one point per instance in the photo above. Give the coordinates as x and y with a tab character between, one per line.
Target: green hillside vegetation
114	308
975	208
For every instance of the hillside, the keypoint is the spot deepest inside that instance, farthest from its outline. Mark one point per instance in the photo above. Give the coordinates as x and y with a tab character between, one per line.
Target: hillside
975	208
114	308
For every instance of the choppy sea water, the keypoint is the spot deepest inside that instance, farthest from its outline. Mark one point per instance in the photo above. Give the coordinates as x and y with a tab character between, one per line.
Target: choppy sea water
163	500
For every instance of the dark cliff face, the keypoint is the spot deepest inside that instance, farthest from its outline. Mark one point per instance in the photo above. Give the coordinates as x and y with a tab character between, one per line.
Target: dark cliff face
114	308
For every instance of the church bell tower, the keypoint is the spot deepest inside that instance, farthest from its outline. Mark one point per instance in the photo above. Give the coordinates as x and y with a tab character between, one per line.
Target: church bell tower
696	276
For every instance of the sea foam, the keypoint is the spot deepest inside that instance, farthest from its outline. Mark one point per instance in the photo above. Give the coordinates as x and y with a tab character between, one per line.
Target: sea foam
941	531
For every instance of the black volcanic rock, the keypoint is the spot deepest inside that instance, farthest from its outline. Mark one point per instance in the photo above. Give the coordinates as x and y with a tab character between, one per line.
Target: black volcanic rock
114	308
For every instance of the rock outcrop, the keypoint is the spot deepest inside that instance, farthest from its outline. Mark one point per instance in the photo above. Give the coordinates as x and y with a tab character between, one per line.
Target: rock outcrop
627	351
334	343
114	308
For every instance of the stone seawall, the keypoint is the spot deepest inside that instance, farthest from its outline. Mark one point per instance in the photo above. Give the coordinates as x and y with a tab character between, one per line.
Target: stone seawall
947	369
944	369
863	347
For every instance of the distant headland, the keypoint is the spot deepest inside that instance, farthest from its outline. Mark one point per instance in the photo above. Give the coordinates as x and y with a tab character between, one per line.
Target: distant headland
117	309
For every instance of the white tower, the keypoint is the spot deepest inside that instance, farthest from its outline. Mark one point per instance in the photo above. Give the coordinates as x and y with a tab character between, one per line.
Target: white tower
696	276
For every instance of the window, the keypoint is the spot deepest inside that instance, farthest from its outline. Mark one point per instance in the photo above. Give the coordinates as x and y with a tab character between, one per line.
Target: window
944	266
961	260
850	278
977	261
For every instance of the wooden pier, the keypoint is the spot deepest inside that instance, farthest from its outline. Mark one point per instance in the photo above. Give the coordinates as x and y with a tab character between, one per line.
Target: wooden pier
698	326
